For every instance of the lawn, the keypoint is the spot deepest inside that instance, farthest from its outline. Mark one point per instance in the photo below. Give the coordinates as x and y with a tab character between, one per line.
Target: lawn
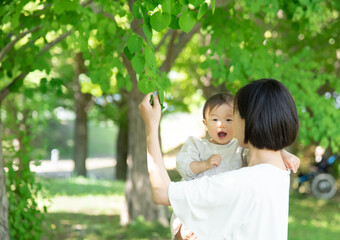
81	208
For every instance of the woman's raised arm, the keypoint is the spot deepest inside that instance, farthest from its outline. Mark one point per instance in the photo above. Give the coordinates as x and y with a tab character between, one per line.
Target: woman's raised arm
158	175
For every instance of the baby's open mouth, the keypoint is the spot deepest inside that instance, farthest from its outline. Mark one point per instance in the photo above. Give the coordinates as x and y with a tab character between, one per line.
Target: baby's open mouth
222	134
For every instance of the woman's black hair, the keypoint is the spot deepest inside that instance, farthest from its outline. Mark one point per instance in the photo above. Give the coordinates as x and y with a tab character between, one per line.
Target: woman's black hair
218	100
269	111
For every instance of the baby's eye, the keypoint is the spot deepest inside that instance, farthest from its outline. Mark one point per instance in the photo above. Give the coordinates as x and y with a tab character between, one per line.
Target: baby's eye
229	120
215	119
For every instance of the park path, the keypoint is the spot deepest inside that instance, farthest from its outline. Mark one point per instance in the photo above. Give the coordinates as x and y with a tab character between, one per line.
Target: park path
99	168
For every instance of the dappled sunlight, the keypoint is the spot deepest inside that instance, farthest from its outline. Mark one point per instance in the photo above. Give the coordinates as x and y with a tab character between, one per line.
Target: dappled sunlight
310	218
80	226
92	205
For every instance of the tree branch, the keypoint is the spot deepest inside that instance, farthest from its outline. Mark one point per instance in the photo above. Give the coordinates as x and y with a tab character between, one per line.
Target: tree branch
49	45
128	66
163	40
96	10
11	44
175	50
6	90
85	3
135	24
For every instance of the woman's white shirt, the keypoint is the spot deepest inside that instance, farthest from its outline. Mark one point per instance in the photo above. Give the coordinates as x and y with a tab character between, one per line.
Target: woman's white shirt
249	203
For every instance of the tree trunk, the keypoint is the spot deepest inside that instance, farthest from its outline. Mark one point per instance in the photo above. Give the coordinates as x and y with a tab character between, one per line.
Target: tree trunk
122	152
122	140
4	230
138	190
80	128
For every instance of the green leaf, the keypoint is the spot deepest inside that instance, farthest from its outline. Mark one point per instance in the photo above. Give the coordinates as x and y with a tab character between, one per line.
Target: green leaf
112	28
128	54
148	33
305	2
150	57
187	21
215	70
212	6
174	22
151	5
146	86
120	81
70	5
161	98
255	6
29	92
203	9
137	10
43	85
163	82
135	43
58	8
15	20
196	3
16	86
159	21
9	73
166	7
184	2
104	84
138	63
175	8
123	82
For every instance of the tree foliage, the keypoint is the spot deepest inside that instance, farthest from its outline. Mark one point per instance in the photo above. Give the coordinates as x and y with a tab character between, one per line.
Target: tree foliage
294	42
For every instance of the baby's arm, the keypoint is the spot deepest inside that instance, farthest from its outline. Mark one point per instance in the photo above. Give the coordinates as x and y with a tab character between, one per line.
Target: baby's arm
291	161
189	153
201	166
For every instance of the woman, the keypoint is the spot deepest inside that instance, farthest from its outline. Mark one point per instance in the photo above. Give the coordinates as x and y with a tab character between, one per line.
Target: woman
249	203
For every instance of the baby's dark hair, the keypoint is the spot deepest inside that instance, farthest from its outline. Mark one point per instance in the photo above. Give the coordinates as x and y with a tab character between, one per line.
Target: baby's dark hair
218	100
269	111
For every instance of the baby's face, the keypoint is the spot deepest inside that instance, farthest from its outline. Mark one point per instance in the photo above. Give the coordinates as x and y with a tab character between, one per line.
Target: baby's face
219	124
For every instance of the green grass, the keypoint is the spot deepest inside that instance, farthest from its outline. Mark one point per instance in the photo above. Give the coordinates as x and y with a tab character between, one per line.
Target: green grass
311	219
81	208
81	186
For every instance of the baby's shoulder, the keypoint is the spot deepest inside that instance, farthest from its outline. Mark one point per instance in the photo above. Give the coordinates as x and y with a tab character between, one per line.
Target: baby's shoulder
195	140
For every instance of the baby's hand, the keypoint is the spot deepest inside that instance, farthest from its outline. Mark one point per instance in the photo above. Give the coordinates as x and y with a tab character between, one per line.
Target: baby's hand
214	160
186	234
291	161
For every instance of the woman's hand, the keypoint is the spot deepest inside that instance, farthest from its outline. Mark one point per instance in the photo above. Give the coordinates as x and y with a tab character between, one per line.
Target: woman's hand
150	114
